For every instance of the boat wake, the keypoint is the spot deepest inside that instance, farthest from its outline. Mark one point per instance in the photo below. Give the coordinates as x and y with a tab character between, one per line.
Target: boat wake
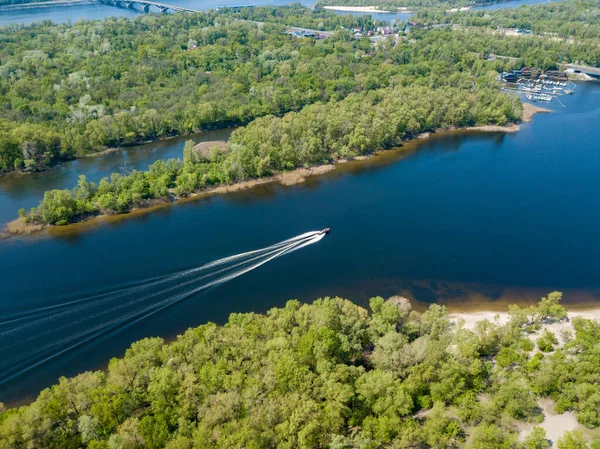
33	337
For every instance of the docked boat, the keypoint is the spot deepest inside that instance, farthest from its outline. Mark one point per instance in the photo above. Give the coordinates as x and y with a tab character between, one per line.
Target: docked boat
539	97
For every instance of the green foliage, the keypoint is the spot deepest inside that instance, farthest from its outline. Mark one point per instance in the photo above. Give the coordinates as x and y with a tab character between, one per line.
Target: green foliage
546	341
573	440
394	4
327	374
73	89
550	308
576	18
491	436
357	125
516	398
537	439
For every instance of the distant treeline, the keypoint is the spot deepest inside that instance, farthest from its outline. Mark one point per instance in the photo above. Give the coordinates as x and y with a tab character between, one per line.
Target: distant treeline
74	89
71	90
330	375
392	5
578	19
318	134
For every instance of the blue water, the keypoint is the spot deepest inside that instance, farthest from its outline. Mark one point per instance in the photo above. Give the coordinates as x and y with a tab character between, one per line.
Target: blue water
514	4
384	17
461	218
26	190
61	14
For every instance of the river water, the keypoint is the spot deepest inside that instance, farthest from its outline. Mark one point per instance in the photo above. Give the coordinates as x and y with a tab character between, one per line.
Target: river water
469	219
61	14
73	13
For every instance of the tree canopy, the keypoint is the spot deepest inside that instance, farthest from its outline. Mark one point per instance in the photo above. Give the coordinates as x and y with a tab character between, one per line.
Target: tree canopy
73	89
329	374
318	134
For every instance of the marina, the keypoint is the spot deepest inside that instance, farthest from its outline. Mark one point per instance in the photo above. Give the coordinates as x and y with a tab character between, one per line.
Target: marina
534	87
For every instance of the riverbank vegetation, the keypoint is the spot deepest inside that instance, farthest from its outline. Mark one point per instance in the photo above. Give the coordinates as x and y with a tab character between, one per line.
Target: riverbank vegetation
561	32
330	374
391	5
579	19
316	135
75	89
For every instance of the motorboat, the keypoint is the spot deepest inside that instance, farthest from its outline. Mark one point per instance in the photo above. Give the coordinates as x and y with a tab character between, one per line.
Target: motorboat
324	231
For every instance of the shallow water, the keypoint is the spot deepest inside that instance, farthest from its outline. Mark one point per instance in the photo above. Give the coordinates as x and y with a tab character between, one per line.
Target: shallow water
462	218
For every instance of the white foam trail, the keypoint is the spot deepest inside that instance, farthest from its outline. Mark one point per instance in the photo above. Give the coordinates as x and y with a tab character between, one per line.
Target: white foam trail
148	284
59	314
151	310
143	285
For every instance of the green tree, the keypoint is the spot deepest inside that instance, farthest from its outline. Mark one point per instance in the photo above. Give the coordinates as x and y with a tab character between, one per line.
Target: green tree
537	439
572	440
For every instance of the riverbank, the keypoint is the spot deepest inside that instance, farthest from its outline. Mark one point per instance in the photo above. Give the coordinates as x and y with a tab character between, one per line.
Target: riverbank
366	9
289	178
529	110
496	372
469	320
296	176
554	424
46	4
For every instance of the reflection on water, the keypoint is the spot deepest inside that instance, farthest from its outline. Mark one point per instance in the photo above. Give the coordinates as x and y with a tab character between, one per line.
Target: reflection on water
27	190
468	219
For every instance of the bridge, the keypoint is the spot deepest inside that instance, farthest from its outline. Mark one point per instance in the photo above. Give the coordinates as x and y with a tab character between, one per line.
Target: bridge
145	5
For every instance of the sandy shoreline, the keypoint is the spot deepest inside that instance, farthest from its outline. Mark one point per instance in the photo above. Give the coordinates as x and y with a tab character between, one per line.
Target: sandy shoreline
357	9
529	110
554	424
299	175
470	319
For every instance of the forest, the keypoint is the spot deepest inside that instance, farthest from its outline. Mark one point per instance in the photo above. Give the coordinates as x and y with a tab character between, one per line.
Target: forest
574	19
391	5
331	374
318	134
71	90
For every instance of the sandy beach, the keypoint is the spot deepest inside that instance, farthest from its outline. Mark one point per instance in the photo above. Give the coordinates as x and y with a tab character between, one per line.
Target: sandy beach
529	110
357	9
469	319
554	424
